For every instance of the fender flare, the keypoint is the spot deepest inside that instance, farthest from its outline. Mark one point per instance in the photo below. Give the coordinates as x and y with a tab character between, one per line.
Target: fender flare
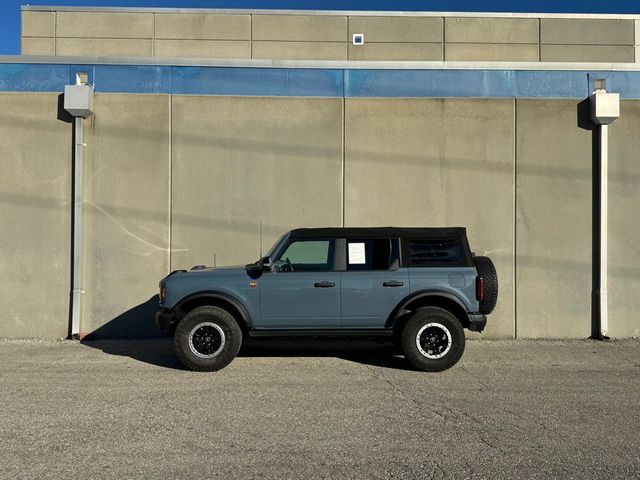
401	309
237	304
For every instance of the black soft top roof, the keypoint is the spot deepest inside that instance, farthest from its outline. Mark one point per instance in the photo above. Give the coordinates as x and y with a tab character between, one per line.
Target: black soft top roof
379	232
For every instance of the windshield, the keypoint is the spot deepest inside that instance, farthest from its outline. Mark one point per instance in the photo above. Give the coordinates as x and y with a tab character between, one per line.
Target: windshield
276	245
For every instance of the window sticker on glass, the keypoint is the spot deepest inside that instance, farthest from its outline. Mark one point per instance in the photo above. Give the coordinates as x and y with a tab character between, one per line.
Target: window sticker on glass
356	254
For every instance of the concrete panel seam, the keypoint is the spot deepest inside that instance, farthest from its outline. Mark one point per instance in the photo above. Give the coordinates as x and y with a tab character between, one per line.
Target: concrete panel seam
478	43
105	38
515	216
384	41
207	40
343	158
170	239
444	37
586	45
539	40
311	41
153	37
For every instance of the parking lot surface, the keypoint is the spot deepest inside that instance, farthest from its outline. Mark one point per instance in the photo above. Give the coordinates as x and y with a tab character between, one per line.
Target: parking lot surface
509	409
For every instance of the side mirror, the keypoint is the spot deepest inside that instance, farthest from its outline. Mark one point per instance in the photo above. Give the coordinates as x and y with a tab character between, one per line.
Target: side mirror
264	264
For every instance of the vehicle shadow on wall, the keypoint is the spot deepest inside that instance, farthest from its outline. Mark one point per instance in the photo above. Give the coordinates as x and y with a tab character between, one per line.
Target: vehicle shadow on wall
134	334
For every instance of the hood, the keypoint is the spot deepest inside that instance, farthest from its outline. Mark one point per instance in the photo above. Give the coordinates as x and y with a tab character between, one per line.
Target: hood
233	270
205	268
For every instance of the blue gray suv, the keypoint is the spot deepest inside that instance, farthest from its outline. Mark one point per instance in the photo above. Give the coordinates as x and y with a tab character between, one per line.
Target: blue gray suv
419	287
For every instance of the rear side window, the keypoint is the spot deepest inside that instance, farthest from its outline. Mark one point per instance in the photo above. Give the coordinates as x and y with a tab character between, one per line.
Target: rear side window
370	254
433	253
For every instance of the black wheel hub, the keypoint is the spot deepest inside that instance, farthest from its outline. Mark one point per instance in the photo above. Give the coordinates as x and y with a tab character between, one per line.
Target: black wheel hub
206	340
434	340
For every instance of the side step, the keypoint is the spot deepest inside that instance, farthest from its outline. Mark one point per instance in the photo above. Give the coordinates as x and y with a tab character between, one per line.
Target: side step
321	333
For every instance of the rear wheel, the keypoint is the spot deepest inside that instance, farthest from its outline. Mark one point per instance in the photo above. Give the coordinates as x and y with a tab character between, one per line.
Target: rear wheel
207	339
433	339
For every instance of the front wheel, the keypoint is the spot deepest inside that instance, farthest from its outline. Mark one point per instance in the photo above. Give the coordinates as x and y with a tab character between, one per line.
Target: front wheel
433	339
207	339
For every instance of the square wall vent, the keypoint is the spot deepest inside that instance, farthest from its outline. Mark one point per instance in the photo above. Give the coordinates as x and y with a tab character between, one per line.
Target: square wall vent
358	38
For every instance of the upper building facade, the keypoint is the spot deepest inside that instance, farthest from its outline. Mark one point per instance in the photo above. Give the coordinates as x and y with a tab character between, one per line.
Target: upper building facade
327	35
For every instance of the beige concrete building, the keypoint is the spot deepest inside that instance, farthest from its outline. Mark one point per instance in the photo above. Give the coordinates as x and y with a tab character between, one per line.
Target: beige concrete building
191	157
303	35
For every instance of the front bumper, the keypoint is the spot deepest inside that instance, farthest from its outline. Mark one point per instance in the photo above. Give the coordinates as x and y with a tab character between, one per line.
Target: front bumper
165	320
477	322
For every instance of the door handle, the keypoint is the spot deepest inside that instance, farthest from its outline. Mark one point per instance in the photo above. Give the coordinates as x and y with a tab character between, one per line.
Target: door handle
324	284
393	283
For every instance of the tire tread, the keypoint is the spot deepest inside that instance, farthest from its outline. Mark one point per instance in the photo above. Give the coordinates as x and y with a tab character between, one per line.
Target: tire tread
233	339
421	317
487	271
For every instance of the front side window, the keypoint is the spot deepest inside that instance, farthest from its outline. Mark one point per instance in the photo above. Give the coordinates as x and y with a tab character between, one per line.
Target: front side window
306	256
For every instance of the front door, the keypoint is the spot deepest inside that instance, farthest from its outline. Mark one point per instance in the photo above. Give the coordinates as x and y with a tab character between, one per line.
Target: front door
302	290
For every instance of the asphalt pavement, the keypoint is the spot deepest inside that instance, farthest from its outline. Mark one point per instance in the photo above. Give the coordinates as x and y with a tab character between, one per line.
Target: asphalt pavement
310	410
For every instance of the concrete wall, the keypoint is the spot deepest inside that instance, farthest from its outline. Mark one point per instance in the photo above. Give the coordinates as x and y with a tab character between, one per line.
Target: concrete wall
553	221
584	40
172	180
624	224
202	35
239	162
35	216
127	183
327	36
492	39
437	162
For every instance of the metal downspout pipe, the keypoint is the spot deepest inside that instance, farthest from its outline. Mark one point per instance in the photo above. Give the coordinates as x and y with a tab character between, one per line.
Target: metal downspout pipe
78	226
78	101
604	231
605	109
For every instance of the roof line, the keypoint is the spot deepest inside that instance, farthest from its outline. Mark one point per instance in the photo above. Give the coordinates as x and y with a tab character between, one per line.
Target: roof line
47	8
319	64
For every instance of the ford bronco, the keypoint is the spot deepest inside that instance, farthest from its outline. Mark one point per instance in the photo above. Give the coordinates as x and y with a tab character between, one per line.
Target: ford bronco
419	287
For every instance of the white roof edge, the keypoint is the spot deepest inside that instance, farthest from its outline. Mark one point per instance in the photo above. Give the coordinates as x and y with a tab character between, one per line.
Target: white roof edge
46	8
383	65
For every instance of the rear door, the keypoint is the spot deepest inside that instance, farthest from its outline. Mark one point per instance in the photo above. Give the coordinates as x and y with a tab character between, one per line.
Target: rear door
373	283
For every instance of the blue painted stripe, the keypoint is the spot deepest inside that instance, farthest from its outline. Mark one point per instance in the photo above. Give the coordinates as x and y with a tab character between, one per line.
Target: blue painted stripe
132	79
429	83
16	77
294	82
301	82
551	84
467	83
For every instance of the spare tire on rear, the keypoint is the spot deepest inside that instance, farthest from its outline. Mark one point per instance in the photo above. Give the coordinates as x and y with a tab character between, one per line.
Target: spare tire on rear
487	271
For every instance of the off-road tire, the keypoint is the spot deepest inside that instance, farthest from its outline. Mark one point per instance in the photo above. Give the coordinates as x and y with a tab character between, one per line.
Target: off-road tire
206	322
487	271
428	323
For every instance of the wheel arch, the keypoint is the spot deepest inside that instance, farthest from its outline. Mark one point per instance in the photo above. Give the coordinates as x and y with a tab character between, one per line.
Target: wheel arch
427	298
216	299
